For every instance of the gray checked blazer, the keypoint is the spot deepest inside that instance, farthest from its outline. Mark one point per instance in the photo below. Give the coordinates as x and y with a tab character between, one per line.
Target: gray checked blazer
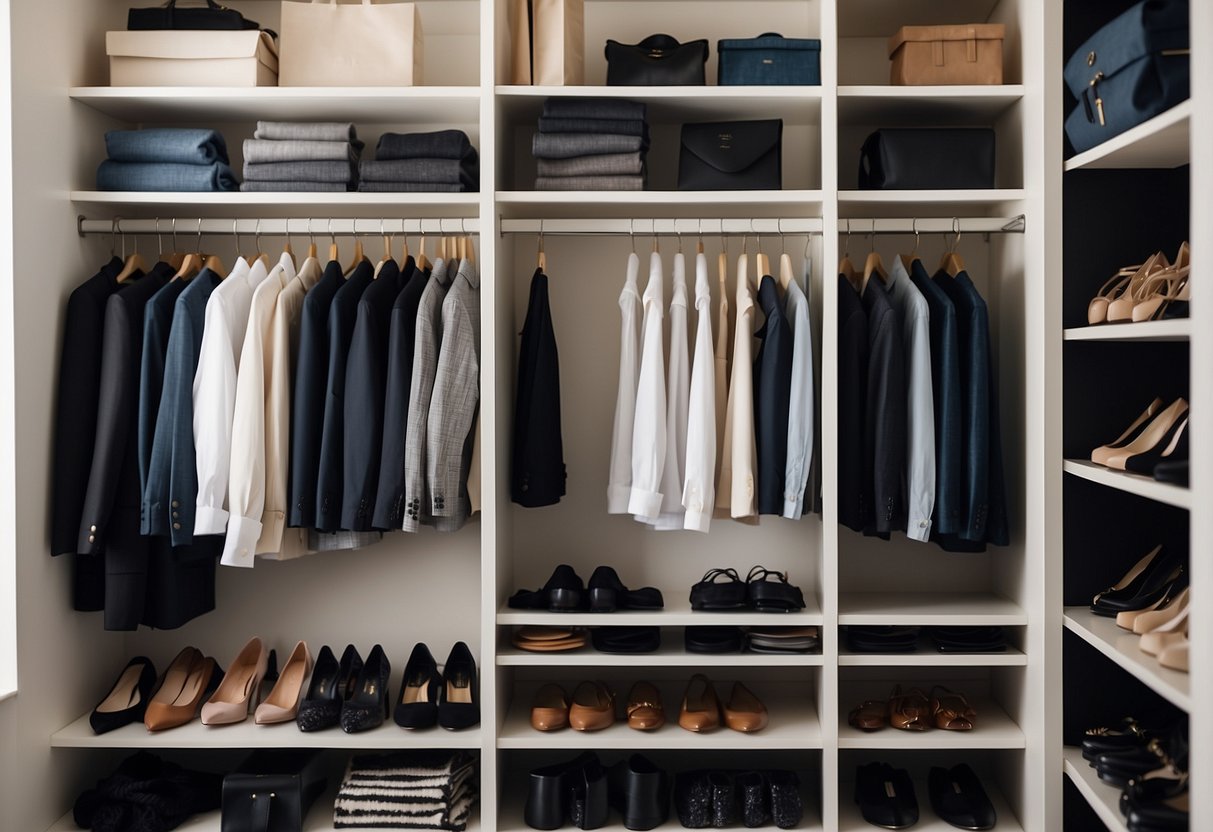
454	404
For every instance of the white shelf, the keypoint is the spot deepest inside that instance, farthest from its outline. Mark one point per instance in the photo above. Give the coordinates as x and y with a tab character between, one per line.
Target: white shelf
677	613
1104	799
929	609
463	203
668	655
881	18
795	105
249	735
928	656
850	819
426	105
1161	142
993	728
794	725
1121	646
1142	486
890	105
595	203
1177	329
976	196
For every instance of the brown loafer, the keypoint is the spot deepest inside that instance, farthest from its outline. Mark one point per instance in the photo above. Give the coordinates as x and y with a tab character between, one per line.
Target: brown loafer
550	708
744	711
593	707
909	711
950	710
645	710
700	706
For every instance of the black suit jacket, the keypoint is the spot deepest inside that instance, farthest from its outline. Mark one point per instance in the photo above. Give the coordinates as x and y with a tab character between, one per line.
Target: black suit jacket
537	477
330	477
365	388
885	418
402	338
854	488
772	398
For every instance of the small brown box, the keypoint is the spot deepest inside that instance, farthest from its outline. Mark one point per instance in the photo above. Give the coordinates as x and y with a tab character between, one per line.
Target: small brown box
939	55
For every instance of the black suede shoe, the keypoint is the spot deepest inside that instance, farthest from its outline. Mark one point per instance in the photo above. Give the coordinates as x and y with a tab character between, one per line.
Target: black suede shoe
459	696
957	797
420	690
368	704
128	697
607	594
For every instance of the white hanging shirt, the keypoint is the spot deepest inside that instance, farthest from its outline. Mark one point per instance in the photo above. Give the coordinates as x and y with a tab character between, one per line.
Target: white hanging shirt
800	409
738	467
699	492
619	480
648	431
677	403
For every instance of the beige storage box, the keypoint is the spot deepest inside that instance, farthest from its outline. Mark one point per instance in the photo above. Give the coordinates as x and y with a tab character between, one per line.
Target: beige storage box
942	55
187	58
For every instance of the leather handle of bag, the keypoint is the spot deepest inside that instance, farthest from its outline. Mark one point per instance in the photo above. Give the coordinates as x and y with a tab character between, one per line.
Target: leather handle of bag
259	818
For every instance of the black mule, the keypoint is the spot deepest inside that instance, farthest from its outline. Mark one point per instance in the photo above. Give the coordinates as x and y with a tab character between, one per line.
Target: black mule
420	690
886	796
459	696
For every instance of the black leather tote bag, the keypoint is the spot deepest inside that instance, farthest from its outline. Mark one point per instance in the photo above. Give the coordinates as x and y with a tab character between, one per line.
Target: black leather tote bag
211	17
731	156
657	61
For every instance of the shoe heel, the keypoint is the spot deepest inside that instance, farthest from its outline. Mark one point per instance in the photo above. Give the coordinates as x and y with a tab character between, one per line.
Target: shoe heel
603	599
646	801
564	599
547	798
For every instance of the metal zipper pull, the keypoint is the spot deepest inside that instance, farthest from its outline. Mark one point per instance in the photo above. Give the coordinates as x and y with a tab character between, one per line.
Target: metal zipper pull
1098	101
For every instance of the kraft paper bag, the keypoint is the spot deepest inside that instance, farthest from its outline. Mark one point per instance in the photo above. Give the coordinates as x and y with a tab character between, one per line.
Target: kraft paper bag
559	42
518	16
329	44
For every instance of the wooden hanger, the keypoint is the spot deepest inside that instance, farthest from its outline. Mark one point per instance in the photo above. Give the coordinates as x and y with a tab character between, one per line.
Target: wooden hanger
134	263
191	263
174	258
907	260
873	265
785	262
404	250
423	262
286	248
359	256
311	236
763	262
952	262
846	268
334	251
387	244
541	256
259	254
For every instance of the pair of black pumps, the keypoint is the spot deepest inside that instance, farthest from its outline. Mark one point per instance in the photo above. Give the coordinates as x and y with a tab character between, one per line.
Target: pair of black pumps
886	797
1159	574
722	590
566	592
355	694
583	791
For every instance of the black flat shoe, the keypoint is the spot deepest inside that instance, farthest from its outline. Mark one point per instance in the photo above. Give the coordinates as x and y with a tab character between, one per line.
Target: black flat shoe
772	596
1143	585
367	706
713	640
331	684
709	595
607	594
420	690
626	639
886	796
565	591
957	797
1152	787
128	697
640	791
1170	815
459	697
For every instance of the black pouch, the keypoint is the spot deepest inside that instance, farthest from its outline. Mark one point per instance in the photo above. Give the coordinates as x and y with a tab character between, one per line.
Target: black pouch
271	791
211	17
731	156
927	158
657	61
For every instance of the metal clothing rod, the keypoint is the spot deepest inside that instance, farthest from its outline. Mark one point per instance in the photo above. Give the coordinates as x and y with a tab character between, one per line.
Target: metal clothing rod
858	226
282	226
662	227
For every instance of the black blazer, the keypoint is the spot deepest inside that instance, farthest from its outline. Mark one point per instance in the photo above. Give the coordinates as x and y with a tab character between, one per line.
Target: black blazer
854	489
772	398
330	476
537	477
402	339
885	418
365	388
307	411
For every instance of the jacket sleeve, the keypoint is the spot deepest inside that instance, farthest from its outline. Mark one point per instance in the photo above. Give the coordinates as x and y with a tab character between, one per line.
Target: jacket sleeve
619	479
277	430
920	452
363	422
741	406
452	410
214	394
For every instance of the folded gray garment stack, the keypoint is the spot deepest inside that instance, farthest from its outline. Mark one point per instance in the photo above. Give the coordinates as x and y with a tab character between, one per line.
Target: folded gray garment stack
411	188
569	145
321	131
577	107
589	183
443	171
297	187
629	127
299	172
610	164
297	150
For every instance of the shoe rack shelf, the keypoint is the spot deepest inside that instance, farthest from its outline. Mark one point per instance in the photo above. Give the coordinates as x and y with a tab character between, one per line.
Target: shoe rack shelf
993	729
795	105
925	609
670	654
869	104
927	656
1161	142
1142	486
1104	799
1121	646
677	613
851	820
1178	329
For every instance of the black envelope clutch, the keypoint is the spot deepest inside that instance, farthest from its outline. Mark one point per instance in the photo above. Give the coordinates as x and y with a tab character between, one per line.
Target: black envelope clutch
657	61
731	156
211	17
271	791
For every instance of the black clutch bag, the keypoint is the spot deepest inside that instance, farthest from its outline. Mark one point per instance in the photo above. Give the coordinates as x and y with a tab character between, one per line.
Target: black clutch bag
271	791
927	158
211	17
731	156
657	61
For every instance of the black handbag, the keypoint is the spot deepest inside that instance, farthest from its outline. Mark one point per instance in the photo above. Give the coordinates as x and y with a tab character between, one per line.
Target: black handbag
731	156
211	17
657	61
927	158
271	791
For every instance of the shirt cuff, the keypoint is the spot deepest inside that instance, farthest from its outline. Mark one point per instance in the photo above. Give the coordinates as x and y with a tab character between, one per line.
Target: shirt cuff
793	506
697	521
273	527
919	529
644	503
669	521
241	543
617	499
210	520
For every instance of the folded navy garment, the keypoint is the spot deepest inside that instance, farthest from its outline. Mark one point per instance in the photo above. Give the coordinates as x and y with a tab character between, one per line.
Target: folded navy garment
300	150
441	144
412	188
342	172
441	171
164	176
295	187
322	131
589	183
610	164
570	145
612	108
166	144
631	127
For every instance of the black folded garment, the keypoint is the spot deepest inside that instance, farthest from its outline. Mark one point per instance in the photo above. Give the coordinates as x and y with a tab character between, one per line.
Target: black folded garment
713	639
626	639
622	127
149	795
882	639
968	639
441	144
619	109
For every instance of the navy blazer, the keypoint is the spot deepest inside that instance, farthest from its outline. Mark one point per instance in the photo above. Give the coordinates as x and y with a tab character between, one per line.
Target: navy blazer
854	489
885	415
772	398
537	475
402	338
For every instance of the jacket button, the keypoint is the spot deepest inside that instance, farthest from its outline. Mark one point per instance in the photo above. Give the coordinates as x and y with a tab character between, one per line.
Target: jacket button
92	528
176	525
92	538
176	504
175	515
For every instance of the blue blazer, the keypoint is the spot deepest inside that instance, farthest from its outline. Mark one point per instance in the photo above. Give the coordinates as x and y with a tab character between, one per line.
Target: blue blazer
772	398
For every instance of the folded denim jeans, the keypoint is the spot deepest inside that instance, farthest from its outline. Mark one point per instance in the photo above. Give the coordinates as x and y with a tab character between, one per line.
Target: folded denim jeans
299	172
442	171
610	108
411	188
570	145
630	127
440	144
297	150
315	131
296	187
176	145
609	164
165	176
589	183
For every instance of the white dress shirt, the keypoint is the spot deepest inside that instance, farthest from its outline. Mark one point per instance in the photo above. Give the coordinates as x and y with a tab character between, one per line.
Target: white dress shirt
227	314
648	432
915	315
678	380
699	490
738	467
800	408
246	478
723	447
619	480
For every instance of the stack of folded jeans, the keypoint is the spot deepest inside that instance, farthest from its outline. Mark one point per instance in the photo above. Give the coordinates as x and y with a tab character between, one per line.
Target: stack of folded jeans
974	639
443	161
407	790
317	157
165	159
591	144
882	639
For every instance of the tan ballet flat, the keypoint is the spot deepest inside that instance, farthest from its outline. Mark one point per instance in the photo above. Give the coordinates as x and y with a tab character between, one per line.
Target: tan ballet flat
646	712
550	708
1100	455
1173	632
700	706
1150	436
237	694
744	711
593	707
282	704
1167	609
1116	286
1120	310
182	691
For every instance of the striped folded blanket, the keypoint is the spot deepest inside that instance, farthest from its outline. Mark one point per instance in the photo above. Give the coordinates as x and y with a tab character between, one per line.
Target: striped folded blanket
422	790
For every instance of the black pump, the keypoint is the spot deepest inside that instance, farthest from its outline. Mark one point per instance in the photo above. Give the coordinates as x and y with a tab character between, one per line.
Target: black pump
368	703
420	690
330	686
128	697
459	696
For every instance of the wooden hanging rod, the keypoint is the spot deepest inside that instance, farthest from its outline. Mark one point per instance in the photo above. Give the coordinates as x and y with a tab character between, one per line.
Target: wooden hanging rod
281	226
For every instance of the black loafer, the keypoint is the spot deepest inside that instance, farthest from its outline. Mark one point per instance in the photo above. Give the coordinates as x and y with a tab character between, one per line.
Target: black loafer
1129	734
712	640
564	591
607	593
772	596
626	639
886	796
709	595
957	797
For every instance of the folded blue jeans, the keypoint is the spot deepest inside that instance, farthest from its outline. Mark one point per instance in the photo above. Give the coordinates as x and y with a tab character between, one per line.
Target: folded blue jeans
181	146
164	176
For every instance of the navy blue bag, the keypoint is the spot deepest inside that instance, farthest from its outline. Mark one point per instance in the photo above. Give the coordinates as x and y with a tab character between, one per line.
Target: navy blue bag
769	60
1129	71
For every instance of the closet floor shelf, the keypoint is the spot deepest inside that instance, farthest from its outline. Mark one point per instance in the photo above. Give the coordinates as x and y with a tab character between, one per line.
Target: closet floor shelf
929	609
992	729
850	820
1142	486
1104	799
677	613
1162	142
1121	646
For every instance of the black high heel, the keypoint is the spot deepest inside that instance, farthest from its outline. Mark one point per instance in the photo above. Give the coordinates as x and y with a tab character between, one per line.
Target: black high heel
1173	447
367	706
420	690
128	697
459	696
330	686
608	593
1144	584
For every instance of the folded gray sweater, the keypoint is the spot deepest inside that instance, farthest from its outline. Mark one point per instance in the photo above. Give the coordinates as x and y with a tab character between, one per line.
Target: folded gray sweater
589	183
321	131
295	187
570	145
610	164
295	150
299	172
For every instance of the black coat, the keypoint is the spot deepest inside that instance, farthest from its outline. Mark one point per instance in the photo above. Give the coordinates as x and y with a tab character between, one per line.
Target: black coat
854	488
772	398
884	443
537	476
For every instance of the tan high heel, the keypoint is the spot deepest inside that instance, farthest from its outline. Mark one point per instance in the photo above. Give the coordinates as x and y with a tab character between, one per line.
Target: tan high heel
1164	287
1167	609
1175	656
1150	436
1114	288
236	696
183	689
1120	309
282	704
1100	455
1162	637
